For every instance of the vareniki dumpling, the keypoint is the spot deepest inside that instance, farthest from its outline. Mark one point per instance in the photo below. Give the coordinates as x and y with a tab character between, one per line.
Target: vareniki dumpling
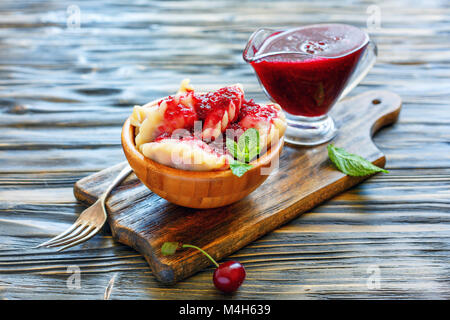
187	153
164	117
219	109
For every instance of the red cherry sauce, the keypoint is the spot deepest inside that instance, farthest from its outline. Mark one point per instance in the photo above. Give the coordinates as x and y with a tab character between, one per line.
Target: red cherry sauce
309	84
212	105
177	115
258	112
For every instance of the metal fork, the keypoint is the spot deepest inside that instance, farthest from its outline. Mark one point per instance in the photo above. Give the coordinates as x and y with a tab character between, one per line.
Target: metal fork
90	220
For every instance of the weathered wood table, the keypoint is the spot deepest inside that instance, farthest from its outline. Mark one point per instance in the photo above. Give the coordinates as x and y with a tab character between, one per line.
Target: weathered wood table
70	72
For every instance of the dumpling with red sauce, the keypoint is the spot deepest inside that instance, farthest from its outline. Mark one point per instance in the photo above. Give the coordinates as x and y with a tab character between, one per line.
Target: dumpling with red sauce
187	153
165	116
218	109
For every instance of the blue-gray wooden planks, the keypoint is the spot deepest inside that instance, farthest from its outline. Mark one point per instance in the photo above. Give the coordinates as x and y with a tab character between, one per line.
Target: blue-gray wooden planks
65	91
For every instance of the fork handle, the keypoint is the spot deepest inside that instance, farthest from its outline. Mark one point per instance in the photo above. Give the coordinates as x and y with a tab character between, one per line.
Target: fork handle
119	178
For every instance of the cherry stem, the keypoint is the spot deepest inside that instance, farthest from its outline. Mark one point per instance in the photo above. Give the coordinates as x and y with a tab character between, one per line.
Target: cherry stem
202	251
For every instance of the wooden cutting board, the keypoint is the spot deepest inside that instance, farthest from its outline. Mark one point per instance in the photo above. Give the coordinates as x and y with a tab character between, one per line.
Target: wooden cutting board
305	178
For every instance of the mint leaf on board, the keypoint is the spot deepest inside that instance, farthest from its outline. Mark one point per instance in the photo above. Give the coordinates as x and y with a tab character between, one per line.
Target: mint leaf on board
239	168
352	164
169	248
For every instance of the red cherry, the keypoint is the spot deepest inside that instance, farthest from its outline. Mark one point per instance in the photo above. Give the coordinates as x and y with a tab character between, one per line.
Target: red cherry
229	276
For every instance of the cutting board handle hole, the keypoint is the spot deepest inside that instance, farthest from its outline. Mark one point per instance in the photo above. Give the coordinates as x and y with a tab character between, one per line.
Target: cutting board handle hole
376	101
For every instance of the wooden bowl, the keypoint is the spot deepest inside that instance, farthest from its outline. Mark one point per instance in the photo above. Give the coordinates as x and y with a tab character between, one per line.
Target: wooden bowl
196	189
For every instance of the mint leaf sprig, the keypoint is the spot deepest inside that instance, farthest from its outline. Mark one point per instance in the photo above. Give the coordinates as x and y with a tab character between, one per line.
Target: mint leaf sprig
352	164
244	151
